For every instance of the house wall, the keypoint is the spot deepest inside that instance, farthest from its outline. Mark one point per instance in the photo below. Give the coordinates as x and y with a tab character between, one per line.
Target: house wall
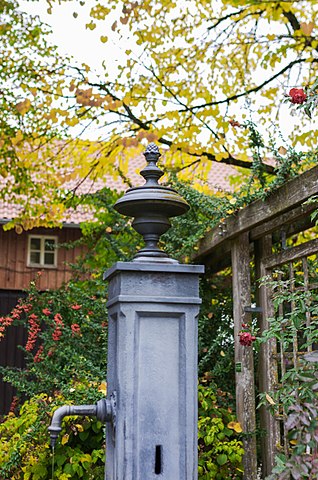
15	276
14	272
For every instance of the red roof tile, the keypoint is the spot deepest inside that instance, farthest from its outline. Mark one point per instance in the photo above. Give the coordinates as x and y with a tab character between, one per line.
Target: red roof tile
218	179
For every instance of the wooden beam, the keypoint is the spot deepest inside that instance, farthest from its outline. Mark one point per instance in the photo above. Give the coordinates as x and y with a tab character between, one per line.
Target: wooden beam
220	257
291	254
294	216
290	195
267	366
244	360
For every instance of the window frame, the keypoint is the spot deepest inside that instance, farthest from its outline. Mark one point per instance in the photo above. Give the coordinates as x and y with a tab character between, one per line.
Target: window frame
42	251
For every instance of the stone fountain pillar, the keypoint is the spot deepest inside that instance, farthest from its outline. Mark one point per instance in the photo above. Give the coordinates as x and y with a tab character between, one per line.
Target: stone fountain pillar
153	306
153	303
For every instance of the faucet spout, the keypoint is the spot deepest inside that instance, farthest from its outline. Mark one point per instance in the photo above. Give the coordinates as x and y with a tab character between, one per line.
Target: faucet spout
103	410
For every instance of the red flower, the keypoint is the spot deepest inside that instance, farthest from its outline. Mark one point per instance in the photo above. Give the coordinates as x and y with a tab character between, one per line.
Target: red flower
246	339
76	307
46	312
17	311
58	318
76	329
38	357
33	332
90	312
297	95
14	404
26	308
6	321
56	335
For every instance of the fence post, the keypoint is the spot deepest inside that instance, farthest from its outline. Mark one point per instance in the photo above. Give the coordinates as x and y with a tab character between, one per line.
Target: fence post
267	368
244	361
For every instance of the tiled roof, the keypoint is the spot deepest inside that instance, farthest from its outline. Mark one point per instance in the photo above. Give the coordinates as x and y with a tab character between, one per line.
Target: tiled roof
218	178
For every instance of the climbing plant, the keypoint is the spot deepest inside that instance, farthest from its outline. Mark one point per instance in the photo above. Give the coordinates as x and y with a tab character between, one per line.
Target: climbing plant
296	399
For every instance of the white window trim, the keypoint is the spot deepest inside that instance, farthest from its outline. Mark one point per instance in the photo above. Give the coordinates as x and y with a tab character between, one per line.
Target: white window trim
42	251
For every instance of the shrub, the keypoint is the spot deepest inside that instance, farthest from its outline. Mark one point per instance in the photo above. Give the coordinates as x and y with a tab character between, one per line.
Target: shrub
220	450
79	453
24	447
65	353
66	338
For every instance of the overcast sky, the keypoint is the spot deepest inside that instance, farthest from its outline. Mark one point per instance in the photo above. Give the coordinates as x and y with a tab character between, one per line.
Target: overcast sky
71	36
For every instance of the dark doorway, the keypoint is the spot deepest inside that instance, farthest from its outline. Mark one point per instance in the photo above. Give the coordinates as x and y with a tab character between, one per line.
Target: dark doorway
10	354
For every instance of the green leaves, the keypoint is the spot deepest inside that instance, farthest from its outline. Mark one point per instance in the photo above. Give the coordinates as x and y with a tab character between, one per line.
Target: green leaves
24	449
220	451
222	459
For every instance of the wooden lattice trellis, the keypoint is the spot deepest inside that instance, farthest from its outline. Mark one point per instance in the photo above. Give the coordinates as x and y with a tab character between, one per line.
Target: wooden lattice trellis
287	266
254	234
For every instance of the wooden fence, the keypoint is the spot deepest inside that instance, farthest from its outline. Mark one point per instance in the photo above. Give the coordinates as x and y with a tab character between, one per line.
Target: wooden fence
255	241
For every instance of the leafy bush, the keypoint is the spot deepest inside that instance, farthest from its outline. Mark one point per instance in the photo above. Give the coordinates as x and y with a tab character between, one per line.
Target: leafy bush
66	338
65	353
220	450
79	453
25	452
215	332
302	427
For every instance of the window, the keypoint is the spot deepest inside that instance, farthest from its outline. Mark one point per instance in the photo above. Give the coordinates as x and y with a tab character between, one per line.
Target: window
42	251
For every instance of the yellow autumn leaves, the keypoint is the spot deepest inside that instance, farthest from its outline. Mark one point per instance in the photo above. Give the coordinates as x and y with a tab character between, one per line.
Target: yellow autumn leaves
65	438
236	426
24	106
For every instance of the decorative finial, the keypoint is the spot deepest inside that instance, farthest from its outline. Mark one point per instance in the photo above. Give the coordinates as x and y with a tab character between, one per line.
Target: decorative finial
152	205
151	172
152	148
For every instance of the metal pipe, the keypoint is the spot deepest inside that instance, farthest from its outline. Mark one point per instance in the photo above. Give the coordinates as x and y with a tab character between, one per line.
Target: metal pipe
103	410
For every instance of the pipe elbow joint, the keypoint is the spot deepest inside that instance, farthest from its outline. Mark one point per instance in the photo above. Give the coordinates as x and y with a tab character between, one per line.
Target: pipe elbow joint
56	423
104	410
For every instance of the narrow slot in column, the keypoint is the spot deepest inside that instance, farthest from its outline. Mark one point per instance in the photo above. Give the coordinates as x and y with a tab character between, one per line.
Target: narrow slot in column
158	459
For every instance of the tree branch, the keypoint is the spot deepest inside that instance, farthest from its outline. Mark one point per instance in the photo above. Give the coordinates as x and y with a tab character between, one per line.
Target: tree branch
247	92
291	17
230	160
292	20
226	17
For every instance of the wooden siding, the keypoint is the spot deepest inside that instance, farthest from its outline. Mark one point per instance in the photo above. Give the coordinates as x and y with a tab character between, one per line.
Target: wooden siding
15	276
14	272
